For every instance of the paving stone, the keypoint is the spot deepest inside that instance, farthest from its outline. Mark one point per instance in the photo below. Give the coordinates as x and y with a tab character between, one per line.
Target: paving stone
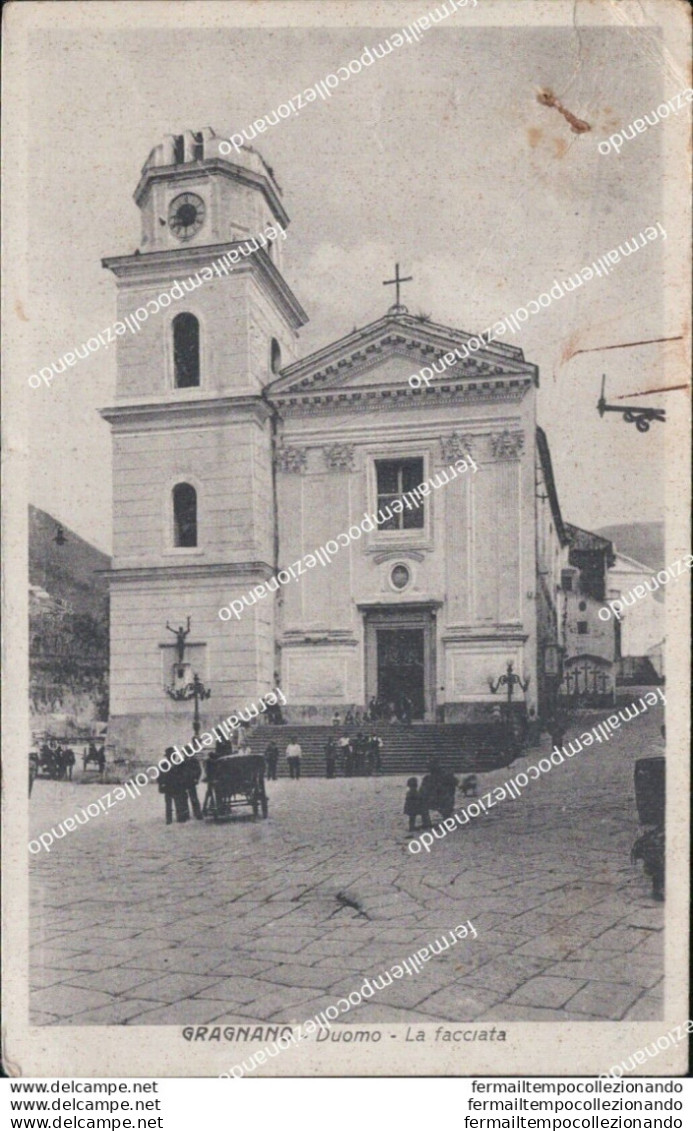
37	1018
64	1000
639	974
549	946
241	966
86	963
507	1012
39	977
652	917
49	956
604	999
287	975
173	987
459	1002
653	946
546	992
281	1003
196	1011
115	981
649	1007
239	990
620	939
504	975
117	1013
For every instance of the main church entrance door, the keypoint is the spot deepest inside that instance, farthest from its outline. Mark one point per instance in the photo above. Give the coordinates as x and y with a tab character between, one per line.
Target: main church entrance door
400	659
401	671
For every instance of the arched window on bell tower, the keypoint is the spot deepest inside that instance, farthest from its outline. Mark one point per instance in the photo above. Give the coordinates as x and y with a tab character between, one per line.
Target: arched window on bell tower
184	516
186	351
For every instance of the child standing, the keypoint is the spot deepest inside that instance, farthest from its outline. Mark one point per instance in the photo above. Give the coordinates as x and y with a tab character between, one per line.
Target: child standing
412	802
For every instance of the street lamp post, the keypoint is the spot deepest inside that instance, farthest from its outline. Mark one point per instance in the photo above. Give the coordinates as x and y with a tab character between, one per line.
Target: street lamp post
510	680
195	691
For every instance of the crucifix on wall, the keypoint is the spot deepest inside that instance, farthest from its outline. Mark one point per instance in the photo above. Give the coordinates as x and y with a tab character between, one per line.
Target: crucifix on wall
180	634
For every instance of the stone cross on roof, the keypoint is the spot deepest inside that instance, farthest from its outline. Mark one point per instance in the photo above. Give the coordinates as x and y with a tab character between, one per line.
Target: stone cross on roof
397	308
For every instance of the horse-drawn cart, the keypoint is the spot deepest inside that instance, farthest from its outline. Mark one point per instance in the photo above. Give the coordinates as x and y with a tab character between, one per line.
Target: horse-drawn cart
233	781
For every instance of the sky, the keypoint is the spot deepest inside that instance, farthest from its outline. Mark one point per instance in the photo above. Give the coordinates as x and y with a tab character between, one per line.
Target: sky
438	156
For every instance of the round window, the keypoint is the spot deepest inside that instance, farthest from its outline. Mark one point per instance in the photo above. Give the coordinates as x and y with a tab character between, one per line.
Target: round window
400	577
582	606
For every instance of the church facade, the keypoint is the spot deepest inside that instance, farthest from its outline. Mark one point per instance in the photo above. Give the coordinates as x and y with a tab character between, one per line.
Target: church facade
234	457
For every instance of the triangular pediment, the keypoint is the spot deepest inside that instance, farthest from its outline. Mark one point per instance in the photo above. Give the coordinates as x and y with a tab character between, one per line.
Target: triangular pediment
385	354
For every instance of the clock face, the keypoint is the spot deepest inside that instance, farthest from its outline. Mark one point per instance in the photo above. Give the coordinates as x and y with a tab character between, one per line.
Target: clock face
186	215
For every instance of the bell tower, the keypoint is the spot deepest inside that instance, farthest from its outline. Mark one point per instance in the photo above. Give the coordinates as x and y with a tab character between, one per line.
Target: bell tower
207	320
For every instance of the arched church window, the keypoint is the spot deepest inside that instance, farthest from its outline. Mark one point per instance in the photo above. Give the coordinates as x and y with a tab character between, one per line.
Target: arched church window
186	350
184	515
276	356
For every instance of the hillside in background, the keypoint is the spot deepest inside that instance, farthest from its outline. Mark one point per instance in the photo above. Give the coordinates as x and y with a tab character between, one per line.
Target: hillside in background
67	572
643	541
68	628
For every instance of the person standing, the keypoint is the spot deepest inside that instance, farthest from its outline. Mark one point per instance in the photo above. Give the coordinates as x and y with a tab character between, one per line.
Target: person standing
347	752
33	769
191	772
174	788
330	758
359	748
69	756
293	758
272	760
556	728
376	745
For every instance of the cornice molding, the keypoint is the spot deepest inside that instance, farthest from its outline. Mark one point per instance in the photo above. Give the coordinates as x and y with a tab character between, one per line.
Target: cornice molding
463	635
249	570
157	267
311	638
398	555
455	391
168	413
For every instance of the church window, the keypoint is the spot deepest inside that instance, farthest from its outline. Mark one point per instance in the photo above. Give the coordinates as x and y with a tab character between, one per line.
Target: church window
184	515
582	627
276	356
186	350
395	478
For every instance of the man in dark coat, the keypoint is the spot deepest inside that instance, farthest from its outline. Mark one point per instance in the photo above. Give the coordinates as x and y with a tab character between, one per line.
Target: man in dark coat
437	791
330	758
173	783
191	772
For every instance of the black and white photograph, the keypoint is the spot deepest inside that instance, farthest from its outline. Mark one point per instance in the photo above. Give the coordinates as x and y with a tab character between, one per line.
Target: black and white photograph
347	559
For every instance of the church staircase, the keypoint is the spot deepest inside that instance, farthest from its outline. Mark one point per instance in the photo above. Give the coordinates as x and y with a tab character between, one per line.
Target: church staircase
405	750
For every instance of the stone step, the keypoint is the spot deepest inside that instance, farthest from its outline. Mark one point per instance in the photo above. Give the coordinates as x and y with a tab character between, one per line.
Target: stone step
405	749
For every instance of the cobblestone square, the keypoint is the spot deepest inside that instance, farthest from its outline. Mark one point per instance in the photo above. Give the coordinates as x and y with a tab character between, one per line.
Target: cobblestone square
137	923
